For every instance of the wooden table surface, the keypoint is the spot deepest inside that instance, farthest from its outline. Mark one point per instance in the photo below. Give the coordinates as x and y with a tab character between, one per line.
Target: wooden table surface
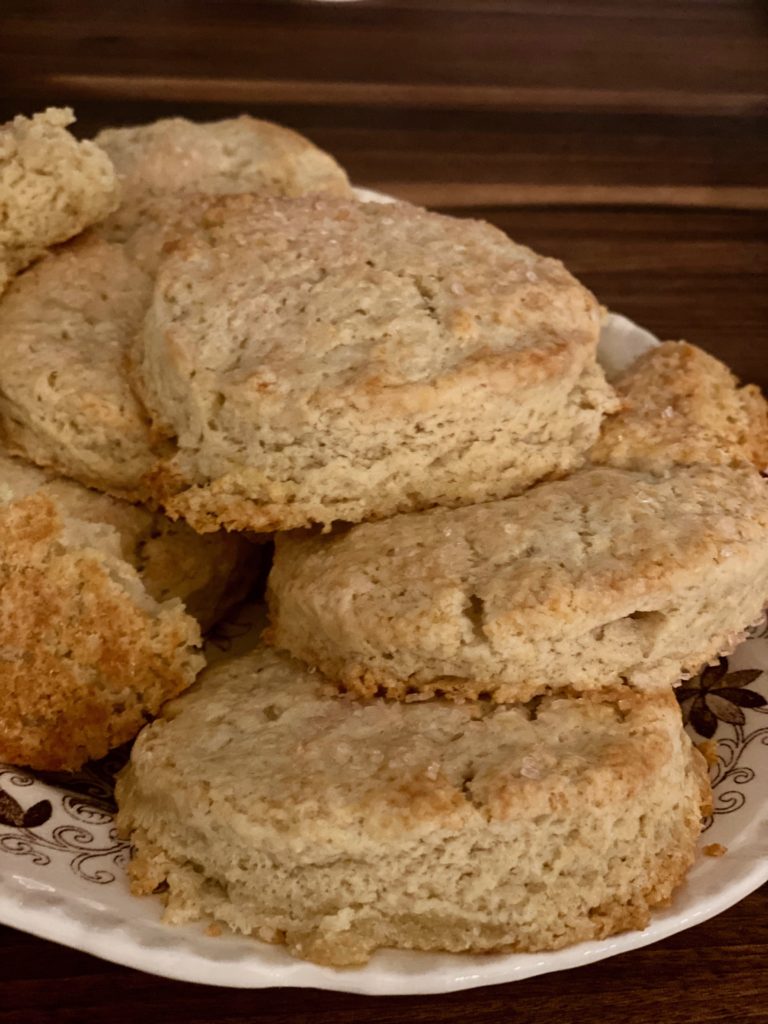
629	138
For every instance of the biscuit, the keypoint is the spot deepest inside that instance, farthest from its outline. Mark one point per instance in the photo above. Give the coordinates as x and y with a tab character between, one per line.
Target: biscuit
683	407
338	827
607	578
321	359
65	400
97	599
67	327
173	156
51	187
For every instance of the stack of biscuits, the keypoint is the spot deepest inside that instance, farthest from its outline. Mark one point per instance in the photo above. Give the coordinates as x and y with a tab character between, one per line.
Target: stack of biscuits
458	731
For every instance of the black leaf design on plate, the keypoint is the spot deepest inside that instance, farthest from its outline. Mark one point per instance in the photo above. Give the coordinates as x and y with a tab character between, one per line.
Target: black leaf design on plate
11	812
37	814
718	695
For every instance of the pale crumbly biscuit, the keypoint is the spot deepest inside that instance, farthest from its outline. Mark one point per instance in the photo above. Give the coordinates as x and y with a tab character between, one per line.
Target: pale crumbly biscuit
65	400
171	157
338	827
51	187
681	406
67	328
607	578
320	359
97	599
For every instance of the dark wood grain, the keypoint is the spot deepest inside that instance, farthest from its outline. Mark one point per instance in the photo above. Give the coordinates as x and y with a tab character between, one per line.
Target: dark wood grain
628	138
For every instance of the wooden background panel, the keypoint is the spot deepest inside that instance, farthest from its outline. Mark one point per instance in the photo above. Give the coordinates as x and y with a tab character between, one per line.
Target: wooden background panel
667	51
635	103
493	156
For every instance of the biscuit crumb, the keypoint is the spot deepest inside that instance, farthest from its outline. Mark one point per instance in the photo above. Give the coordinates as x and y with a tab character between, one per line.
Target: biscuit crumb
214	930
715	850
709	750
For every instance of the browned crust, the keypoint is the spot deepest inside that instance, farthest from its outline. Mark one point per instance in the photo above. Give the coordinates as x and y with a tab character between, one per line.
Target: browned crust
367	682
83	666
216	506
207	511
681	406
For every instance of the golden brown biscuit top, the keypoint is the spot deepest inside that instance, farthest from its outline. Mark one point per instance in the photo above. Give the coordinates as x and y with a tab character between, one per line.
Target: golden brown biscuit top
681	406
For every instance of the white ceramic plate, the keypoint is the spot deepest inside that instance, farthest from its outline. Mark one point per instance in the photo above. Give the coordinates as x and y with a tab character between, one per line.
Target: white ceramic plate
62	864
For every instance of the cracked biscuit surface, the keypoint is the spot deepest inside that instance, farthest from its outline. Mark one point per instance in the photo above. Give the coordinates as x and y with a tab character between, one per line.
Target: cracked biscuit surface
322	359
338	827
605	578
